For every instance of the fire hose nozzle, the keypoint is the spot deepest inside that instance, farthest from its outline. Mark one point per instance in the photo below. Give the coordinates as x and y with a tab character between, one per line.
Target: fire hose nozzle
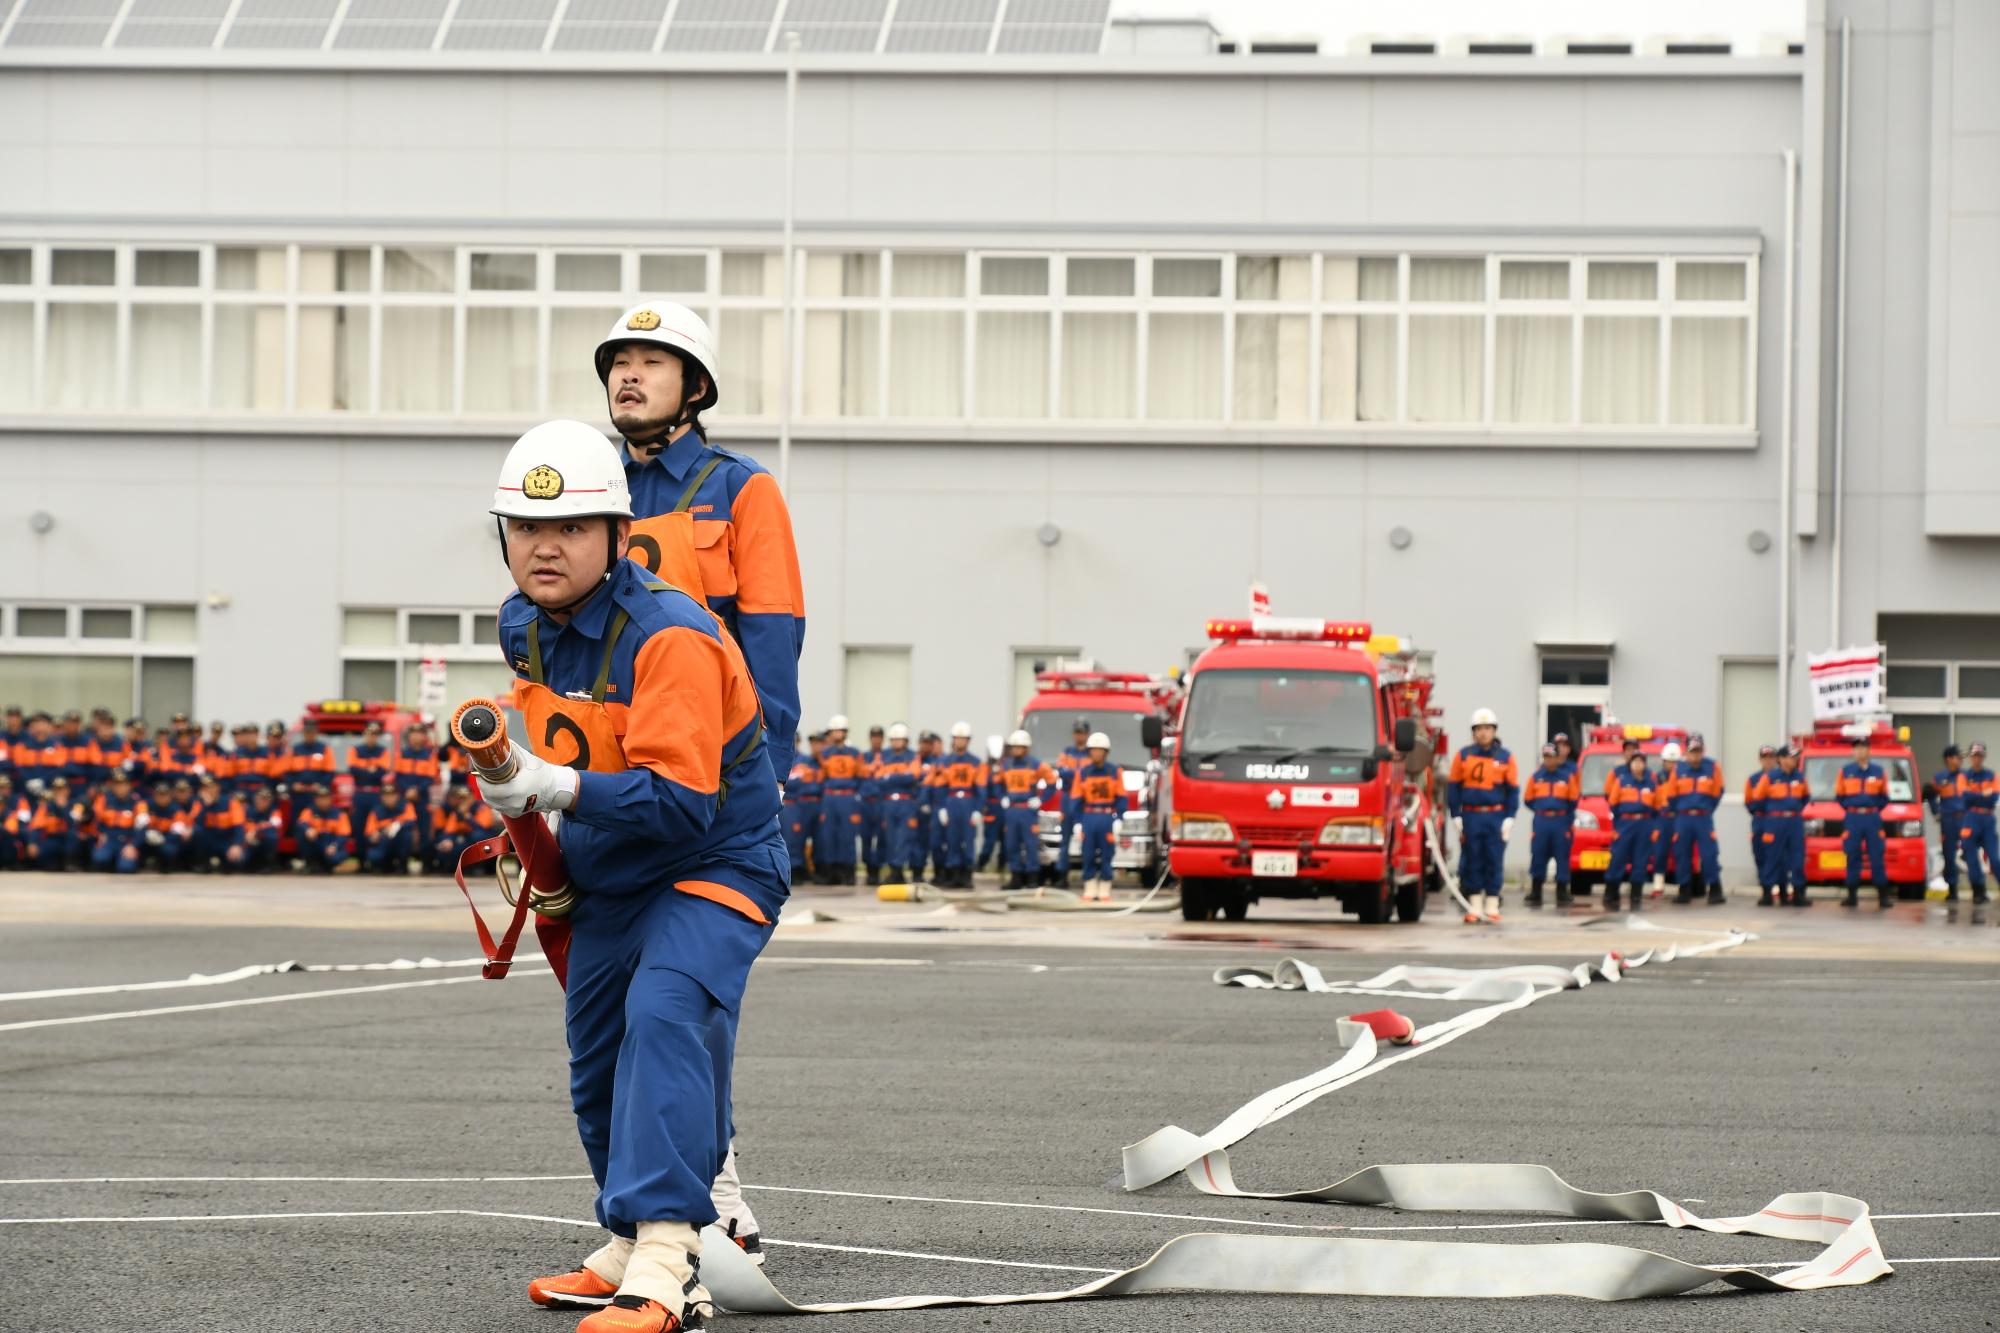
481	729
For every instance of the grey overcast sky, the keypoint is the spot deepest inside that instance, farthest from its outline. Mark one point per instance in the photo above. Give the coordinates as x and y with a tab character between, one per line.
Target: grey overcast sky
1336	21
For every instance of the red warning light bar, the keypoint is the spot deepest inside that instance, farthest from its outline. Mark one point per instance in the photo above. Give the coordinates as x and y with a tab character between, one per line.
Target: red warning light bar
1291	628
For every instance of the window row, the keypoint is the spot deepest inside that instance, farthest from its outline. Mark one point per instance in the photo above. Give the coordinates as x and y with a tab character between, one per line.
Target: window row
1338	340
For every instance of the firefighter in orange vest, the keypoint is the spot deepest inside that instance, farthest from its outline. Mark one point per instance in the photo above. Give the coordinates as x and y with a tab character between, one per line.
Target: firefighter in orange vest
369	764
390	833
121	819
263	831
325	838
415	774
1862	790
1022	780
648	737
49	835
1099	792
461	823
1552	794
219	821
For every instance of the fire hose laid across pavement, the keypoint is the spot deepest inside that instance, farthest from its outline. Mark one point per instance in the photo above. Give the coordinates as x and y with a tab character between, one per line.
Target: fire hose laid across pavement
1352	1266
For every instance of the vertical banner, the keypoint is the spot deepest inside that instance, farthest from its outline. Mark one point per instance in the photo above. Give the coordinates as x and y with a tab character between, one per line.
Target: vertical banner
1847	682
1260	600
430	685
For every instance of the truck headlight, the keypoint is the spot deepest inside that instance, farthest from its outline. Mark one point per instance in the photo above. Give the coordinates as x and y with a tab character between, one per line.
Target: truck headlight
1361	833
1048	821
1907	828
1815	828
1202	828
1585	819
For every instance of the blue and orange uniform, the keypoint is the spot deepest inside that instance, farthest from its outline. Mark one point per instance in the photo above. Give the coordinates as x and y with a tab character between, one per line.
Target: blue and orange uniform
219	824
840	818
1022	780
415	772
674	847
1980	790
1695	790
1552	793
39	759
181	757
15	812
455	828
390	833
1947	806
874	843
900	775
801	813
1099	792
369	765
121	818
1634	799
1072	758
1862	789
1783	802
263	830
1484	791
958	789
309	767
49	834
725	511
1755	793
324	835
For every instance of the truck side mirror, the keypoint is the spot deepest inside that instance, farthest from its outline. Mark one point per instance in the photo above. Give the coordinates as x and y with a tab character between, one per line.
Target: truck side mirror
1150	732
1406	734
1170	746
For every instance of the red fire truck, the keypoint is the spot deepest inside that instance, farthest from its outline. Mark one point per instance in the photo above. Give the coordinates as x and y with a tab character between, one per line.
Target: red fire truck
1828	748
1304	764
1116	703
1603	751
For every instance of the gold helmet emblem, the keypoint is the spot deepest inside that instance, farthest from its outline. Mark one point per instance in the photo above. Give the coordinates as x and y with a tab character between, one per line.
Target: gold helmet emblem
643	320
542	483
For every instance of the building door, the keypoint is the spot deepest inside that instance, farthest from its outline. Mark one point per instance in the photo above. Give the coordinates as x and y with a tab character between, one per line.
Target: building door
1574	694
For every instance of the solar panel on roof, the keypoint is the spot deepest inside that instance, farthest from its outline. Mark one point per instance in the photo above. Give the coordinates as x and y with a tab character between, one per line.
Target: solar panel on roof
721	25
68	10
59	32
947	11
390	25
940	38
1049	39
509	35
274	35
168	33
484	11
615	11
287	11
1030	12
572	36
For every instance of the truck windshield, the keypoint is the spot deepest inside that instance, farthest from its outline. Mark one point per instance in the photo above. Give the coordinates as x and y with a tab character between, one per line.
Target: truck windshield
1823	770
1050	728
1597	767
1264	710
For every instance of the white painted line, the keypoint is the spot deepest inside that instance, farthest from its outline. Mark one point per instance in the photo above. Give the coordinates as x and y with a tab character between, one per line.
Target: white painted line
242	974
814	961
282	1180
942	1258
262	999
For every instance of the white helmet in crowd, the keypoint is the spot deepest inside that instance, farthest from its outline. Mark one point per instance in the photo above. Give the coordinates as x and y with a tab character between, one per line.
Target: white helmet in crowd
898	732
1020	738
1671	752
1098	741
838	722
1484	717
670	325
961	731
562	469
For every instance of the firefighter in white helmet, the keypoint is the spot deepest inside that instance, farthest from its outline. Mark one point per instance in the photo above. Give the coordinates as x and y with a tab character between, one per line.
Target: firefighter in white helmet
899	777
646	733
958	791
1483	792
1099	792
840	770
1022	782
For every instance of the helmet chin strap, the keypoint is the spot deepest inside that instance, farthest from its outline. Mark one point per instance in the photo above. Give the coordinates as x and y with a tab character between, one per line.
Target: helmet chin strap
611	559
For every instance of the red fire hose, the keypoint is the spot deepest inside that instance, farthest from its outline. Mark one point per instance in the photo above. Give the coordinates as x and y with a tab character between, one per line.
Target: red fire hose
527	847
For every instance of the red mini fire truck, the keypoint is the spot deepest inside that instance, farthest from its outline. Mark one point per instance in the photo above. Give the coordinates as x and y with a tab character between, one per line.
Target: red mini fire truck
1603	751
1116	703
1304	764
1828	748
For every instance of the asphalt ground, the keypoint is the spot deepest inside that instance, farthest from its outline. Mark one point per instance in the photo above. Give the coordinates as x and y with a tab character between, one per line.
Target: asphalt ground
982	1079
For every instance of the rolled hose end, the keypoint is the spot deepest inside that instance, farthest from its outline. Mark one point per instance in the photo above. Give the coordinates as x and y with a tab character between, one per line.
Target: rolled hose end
1388	1025
900	893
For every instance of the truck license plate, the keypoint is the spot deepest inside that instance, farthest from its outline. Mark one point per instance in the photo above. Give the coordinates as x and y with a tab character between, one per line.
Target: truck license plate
1277	865
1833	860
1595	861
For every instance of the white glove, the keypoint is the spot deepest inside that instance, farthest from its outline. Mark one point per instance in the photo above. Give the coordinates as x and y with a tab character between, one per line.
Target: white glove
536	785
1506	829
154	837
944	818
1457	826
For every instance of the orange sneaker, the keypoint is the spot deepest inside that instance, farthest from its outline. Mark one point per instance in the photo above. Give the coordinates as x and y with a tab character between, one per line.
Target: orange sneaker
637	1314
581	1290
1472	918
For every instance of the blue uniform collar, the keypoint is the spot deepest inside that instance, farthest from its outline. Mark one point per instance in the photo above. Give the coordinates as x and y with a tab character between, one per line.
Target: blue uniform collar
677	459
590	619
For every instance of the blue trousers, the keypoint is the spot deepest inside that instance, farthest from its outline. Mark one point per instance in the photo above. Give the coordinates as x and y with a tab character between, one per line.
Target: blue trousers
1479	851
902	832
328	851
1785	851
392	852
874	840
1549	843
1760	851
1864	835
1631	847
801	822
1977	837
1024	843
1948	837
839	829
1660	844
117	852
1099	842
992	834
1069	817
954	850
225	845
1694	833
655	983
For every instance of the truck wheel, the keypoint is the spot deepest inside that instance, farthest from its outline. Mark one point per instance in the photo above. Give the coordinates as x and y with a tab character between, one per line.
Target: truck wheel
1409	900
1196	902
1373	907
1235	904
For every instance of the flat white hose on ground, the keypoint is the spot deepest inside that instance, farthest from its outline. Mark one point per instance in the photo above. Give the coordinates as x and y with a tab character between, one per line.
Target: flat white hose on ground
1353	1266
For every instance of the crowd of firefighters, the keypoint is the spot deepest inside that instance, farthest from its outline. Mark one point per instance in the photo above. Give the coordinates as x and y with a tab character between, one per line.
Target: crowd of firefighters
905	808
1664	820
98	796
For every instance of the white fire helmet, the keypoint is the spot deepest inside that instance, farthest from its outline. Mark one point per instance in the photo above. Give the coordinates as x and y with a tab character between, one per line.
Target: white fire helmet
1020	738
1483	717
1098	741
670	325
898	732
1671	752
961	731
838	722
562	469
